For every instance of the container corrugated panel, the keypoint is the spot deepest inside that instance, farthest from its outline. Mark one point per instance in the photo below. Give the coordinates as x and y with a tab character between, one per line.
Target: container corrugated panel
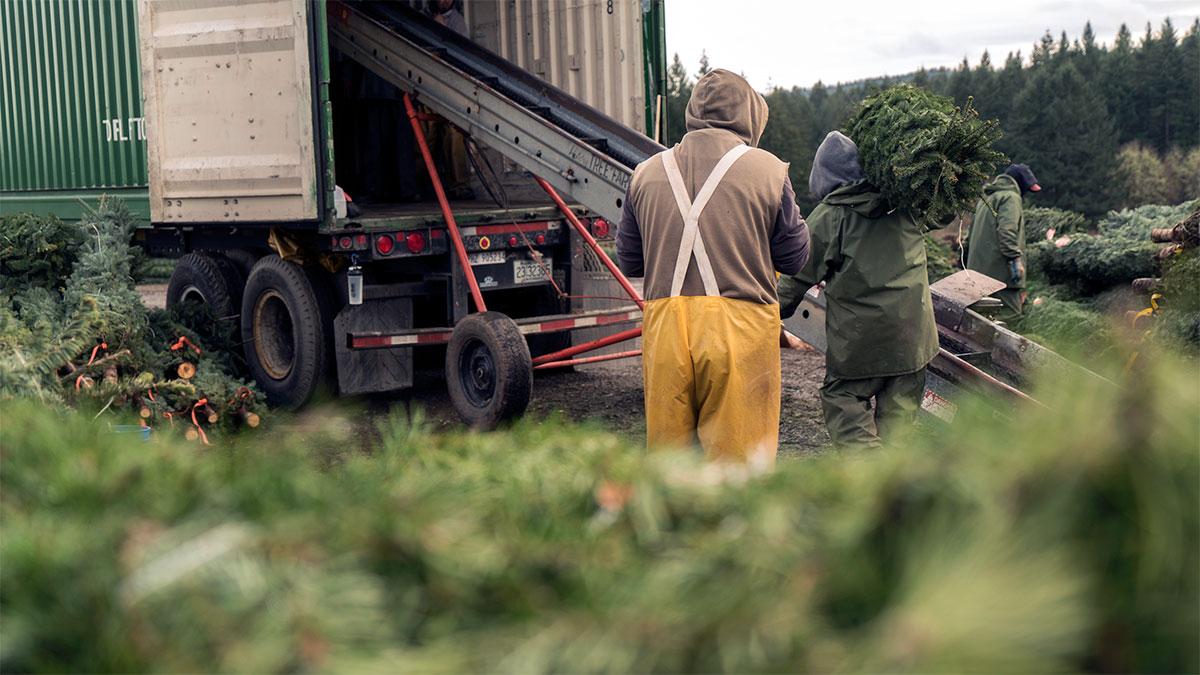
71	111
592	49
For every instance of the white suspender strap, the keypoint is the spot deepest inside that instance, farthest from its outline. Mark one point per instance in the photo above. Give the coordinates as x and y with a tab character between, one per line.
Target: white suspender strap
692	243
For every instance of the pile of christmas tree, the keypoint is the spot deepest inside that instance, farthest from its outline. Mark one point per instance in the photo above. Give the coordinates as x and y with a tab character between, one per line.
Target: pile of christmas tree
923	153
1066	538
74	332
1119	252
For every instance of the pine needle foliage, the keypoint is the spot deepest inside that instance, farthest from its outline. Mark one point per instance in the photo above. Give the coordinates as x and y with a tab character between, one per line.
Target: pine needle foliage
1039	220
925	154
1063	540
36	252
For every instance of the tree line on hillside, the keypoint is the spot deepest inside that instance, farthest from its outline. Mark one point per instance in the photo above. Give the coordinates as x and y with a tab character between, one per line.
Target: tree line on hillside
1102	126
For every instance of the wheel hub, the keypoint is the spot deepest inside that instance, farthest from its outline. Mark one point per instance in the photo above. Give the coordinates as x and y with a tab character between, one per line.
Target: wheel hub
477	369
193	294
274	335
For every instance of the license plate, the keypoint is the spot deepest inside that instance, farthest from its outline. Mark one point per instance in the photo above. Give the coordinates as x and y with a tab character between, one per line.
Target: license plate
530	272
486	258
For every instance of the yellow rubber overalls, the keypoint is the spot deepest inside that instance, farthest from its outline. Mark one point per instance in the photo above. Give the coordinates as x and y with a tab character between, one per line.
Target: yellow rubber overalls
711	364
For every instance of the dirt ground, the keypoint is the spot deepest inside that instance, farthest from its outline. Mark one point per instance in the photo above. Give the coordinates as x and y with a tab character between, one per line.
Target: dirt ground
608	394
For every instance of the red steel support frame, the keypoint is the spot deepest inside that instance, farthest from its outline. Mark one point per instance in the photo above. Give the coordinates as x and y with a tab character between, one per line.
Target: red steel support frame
589	359
444	203
588	346
591	241
554	359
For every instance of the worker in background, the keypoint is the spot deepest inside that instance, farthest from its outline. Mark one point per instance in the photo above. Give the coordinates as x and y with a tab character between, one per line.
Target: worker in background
879	322
708	223
446	142
996	246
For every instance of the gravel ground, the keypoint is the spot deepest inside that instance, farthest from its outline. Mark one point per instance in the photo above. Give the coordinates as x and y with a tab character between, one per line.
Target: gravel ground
608	394
154	296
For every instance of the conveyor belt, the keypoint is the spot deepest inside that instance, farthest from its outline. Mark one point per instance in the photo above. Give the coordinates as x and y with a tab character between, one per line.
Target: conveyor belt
582	152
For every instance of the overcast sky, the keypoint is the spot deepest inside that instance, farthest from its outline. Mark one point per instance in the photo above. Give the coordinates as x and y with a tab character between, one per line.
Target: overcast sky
797	42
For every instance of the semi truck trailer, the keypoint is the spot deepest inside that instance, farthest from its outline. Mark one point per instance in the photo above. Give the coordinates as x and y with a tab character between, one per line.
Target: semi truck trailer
282	150
285	151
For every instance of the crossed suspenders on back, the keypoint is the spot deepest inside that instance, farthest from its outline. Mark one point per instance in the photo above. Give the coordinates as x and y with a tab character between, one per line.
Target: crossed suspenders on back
692	242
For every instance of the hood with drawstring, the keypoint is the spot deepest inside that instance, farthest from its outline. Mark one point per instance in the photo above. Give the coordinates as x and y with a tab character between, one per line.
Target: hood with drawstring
1002	183
724	100
860	197
738	222
835	164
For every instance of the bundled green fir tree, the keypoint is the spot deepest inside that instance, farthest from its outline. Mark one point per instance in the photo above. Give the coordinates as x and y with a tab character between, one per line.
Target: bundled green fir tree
1119	252
924	153
74	331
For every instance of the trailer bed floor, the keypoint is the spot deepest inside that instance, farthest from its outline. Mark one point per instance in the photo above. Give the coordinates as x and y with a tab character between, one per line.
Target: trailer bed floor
403	216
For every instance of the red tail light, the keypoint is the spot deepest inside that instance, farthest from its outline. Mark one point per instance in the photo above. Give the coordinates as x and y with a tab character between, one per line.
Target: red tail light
540	239
415	241
345	242
384	244
512	241
600	228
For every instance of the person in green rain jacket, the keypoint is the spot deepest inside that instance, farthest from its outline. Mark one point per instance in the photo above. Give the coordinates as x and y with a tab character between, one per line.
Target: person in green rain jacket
879	321
996	246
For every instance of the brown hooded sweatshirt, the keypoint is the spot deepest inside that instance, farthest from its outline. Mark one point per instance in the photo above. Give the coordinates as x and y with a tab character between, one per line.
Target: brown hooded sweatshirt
751	226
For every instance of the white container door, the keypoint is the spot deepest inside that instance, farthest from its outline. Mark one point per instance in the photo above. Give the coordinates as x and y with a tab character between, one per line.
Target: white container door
227	88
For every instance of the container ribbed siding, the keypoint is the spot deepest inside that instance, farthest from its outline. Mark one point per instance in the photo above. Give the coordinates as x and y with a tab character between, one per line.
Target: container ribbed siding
592	49
71	106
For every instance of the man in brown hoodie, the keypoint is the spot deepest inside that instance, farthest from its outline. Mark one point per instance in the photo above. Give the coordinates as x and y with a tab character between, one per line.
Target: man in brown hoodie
708	223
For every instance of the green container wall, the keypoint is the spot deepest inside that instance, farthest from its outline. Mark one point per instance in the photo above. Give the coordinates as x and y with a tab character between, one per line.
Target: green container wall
71	109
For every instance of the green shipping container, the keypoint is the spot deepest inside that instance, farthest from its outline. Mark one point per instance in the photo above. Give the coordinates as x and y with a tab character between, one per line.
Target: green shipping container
71	126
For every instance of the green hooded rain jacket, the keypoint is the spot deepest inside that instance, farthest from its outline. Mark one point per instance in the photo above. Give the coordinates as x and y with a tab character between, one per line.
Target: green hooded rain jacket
879	316
998	233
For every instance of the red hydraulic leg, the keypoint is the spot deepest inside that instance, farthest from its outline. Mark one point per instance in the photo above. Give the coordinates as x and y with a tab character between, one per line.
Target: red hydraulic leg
455	236
591	242
589	346
589	359
554	359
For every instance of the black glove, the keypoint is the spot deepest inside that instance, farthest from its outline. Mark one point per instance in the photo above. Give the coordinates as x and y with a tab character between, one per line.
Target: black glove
1016	272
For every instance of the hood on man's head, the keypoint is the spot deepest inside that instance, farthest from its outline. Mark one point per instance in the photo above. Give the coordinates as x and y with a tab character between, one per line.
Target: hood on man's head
723	100
1024	177
835	165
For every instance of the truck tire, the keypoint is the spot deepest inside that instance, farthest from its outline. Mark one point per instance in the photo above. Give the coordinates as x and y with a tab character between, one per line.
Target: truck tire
286	343
488	370
203	279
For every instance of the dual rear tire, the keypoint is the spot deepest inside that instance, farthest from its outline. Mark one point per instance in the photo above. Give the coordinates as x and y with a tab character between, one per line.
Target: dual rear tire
287	324
286	316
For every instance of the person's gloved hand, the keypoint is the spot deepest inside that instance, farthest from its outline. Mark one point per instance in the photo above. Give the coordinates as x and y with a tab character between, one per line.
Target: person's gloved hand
1016	272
